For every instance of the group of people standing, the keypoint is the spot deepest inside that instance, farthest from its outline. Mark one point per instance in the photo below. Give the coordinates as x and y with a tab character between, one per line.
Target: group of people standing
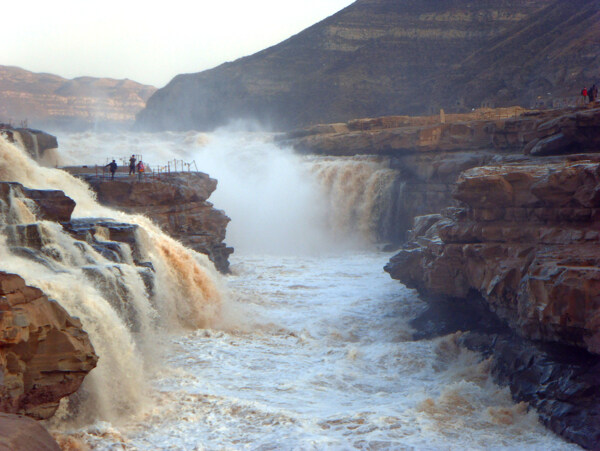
140	167
591	94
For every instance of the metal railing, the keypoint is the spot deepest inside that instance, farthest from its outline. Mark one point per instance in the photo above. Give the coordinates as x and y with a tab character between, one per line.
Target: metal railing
154	173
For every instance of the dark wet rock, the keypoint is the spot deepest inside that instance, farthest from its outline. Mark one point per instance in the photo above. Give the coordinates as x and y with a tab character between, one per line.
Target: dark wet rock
51	205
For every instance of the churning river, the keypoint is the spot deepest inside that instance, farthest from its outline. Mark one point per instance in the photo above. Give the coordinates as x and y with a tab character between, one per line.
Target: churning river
313	349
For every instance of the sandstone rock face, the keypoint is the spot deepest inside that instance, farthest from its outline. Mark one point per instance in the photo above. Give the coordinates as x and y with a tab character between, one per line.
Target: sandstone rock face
527	241
44	354
47	100
178	204
429	154
524	243
19	433
383	57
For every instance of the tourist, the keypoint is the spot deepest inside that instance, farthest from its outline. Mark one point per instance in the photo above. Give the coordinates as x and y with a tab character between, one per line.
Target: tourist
132	165
113	168
584	95
593	93
140	169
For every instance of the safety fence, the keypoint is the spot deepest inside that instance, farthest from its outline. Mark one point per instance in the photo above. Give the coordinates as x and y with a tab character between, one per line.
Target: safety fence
155	172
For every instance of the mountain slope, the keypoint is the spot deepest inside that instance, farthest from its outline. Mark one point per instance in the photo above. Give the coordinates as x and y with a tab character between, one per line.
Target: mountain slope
46	100
373	58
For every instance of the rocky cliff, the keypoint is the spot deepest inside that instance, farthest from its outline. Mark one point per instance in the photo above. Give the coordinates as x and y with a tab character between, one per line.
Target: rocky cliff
524	244
50	101
429	152
178	204
504	242
44	353
382	57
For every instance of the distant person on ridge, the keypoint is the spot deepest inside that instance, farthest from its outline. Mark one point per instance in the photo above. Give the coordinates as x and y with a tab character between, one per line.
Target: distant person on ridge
593	93
113	168
584	94
132	165
140	169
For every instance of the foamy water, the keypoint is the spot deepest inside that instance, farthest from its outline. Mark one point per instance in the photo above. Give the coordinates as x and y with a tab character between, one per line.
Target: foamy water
312	347
320	357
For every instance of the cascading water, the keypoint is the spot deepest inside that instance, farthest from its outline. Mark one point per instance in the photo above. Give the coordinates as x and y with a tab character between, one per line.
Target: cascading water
110	297
312	347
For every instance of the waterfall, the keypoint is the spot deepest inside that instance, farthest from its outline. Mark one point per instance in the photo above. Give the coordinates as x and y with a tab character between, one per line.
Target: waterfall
126	294
361	194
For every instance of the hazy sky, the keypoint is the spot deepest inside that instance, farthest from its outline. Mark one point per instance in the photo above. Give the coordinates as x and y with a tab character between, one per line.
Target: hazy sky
149	42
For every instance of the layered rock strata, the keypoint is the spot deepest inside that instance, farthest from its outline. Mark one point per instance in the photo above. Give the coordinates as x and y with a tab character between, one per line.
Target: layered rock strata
429	152
178	204
48	100
525	244
382	57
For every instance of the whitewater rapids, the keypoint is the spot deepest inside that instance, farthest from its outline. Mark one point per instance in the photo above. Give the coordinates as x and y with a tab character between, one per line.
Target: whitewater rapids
313	349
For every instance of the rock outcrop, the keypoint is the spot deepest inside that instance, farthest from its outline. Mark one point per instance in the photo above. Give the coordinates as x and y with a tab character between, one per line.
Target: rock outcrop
47	100
178	204
19	433
429	152
44	353
51	205
382	57
514	261
37	143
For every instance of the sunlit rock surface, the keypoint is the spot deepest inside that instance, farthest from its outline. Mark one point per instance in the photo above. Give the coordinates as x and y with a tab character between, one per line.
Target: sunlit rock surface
525	244
44	352
178	204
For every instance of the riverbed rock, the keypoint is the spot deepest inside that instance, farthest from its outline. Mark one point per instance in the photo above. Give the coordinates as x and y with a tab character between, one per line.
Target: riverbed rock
178	204
44	352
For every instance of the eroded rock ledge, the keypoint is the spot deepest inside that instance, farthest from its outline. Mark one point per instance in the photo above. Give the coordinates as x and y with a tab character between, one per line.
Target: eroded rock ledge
178	204
428	153
525	243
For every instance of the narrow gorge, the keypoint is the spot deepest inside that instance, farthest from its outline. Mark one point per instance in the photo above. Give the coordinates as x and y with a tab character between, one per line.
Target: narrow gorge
500	236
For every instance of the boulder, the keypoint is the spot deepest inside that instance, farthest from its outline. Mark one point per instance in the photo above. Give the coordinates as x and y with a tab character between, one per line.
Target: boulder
44	352
19	433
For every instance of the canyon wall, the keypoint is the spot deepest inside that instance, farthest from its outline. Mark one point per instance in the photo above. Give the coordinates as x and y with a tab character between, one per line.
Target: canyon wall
44	352
382	57
504	212
49	101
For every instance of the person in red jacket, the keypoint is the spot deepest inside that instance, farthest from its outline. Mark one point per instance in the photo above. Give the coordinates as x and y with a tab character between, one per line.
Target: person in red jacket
584	94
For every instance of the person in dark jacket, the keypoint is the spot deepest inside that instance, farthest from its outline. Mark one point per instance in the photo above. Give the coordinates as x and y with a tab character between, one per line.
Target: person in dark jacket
132	165
113	168
593	93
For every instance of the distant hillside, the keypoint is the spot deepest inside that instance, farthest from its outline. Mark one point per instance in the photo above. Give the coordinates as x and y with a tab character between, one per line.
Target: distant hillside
45	100
384	57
